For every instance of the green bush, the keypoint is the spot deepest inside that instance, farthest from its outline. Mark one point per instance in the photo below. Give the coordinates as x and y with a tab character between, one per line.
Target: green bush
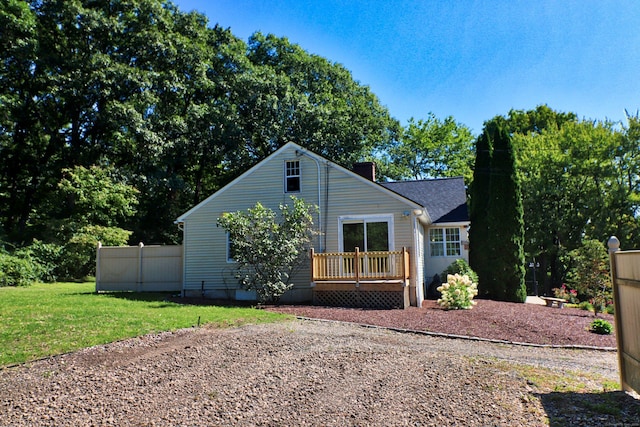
585	305
47	256
601	326
269	247
17	271
460	267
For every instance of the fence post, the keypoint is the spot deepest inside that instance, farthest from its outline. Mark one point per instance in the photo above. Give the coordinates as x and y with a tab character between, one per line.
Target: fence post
98	267
614	246
140	278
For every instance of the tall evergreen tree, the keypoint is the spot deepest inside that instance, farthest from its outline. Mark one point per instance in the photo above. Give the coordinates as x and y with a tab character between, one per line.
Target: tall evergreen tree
505	216
478	206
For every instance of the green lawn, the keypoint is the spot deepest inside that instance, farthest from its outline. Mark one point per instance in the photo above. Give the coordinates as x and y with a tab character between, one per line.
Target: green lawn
48	319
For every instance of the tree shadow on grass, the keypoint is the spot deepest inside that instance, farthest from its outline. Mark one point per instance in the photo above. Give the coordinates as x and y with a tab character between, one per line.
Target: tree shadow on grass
166	299
170	299
609	408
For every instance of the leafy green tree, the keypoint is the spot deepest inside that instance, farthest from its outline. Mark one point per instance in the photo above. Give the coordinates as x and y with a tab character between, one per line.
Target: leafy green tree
89	206
579	181
307	99
538	120
505	215
589	274
178	108
77	256
21	127
431	148
625	201
268	248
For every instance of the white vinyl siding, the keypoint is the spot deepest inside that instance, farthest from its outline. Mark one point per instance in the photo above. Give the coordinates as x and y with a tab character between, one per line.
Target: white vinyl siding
206	248
205	244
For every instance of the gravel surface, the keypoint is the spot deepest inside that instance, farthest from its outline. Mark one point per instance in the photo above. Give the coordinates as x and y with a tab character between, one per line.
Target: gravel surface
298	373
529	323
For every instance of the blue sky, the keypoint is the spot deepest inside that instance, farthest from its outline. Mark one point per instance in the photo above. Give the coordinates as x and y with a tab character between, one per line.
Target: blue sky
468	59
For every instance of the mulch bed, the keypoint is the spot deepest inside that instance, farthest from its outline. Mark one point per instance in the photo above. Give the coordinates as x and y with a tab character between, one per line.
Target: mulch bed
529	323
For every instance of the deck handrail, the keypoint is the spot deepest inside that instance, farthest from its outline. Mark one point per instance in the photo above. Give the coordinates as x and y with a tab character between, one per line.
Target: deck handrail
357	266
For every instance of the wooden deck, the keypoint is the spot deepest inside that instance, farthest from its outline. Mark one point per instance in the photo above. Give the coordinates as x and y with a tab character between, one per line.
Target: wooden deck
369	278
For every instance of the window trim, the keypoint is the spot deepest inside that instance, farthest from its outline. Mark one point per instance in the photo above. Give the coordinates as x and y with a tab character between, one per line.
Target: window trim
388	218
445	242
297	167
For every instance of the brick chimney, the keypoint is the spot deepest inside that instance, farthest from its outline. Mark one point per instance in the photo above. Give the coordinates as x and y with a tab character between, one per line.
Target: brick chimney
366	170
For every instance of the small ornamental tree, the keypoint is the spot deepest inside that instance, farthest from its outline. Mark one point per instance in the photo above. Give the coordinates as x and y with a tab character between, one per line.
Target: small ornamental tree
268	248
589	274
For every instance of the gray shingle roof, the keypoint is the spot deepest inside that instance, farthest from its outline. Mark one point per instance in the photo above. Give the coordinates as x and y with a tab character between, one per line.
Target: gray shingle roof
445	199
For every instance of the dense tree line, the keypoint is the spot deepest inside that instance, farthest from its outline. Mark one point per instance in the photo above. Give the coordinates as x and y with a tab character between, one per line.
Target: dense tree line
163	103
580	183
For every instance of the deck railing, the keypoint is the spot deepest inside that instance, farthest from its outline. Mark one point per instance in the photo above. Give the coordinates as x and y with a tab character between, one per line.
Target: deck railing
360	266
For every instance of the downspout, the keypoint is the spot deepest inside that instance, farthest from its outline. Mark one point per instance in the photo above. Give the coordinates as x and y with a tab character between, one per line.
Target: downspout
416	260
326	200
302	152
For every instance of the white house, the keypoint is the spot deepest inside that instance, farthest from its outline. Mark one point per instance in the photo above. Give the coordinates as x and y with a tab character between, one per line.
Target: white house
405	232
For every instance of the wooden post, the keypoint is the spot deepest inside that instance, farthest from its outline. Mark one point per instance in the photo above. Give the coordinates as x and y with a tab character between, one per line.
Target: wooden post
614	246
313	262
356	266
405	267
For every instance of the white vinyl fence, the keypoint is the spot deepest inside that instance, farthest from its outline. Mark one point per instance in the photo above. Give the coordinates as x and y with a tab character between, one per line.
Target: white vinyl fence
625	272
139	268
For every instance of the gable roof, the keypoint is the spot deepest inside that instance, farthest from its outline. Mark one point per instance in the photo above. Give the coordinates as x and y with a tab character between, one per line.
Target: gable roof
444	199
399	196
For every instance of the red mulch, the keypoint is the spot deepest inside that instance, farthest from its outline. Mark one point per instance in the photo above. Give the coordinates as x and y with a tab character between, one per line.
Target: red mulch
530	323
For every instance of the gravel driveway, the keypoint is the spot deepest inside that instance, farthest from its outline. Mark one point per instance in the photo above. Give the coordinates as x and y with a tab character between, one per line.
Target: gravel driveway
294	373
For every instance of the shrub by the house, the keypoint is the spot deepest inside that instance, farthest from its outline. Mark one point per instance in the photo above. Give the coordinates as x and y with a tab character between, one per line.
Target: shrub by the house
457	293
461	267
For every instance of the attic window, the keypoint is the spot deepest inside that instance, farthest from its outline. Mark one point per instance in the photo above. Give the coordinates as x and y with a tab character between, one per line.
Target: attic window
292	176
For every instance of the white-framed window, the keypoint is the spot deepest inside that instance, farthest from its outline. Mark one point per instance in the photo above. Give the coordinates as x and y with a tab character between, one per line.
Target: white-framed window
292	176
367	232
444	242
230	249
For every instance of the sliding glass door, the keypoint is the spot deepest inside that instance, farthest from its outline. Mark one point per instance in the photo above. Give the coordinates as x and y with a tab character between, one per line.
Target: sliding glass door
369	233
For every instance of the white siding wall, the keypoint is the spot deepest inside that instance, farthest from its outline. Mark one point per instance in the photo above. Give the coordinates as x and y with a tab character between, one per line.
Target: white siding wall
205	244
435	265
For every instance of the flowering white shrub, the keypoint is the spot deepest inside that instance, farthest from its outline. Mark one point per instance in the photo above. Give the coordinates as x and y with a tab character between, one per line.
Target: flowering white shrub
458	292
